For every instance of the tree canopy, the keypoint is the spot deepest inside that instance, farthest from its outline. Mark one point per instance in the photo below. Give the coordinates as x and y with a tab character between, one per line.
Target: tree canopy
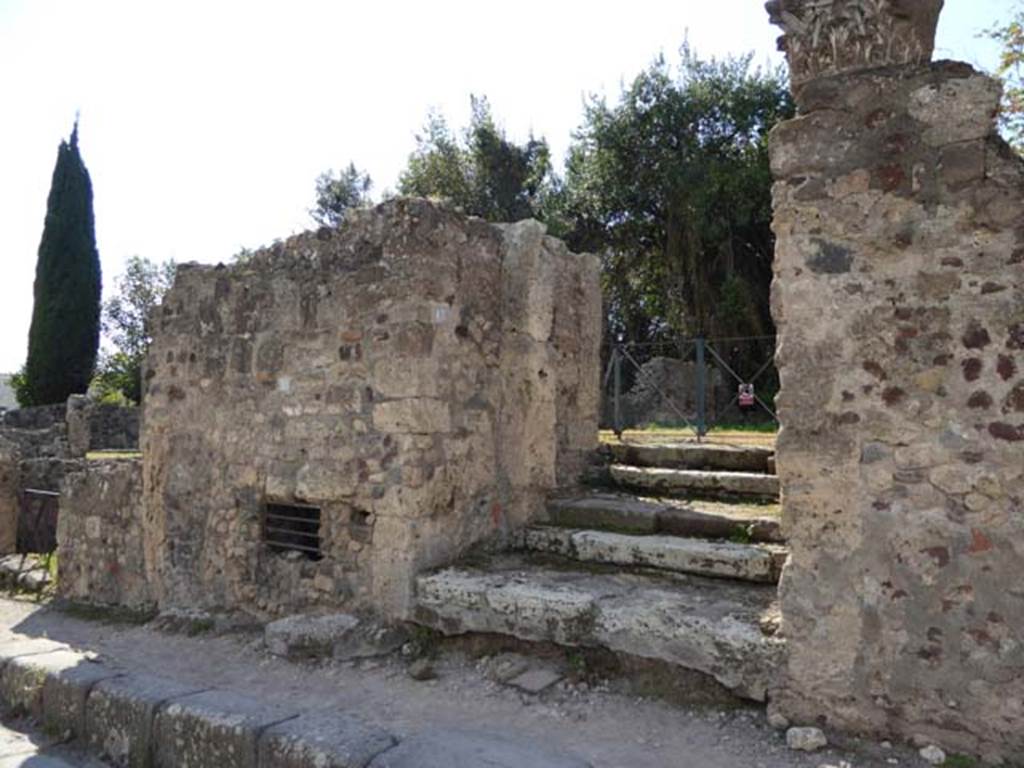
672	186
126	323
1010	37
482	172
339	192
65	332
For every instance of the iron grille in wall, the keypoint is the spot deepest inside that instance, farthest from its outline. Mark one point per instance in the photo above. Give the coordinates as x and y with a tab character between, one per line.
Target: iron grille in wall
292	528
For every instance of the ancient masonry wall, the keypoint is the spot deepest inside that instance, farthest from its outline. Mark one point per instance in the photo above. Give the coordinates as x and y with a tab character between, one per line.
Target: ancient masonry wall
43	444
421	378
100	530
899	295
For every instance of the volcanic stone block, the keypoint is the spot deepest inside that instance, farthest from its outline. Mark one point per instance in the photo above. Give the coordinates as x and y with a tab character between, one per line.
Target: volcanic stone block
120	714
328	740
215	729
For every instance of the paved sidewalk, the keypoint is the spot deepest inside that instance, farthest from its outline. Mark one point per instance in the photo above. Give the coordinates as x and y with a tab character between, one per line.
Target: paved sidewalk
21	747
461	708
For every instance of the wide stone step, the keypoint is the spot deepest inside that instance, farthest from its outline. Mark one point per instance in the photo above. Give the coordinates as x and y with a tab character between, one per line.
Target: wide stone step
726	458
721	559
702	519
720	628
668	482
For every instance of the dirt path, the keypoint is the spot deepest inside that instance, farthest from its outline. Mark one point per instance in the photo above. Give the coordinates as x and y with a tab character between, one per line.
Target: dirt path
609	729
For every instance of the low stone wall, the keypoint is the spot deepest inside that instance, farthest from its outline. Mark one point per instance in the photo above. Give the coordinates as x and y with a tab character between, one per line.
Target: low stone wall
36	417
93	426
100	535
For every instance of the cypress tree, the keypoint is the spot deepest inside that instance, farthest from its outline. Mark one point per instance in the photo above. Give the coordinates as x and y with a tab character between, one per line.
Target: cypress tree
65	333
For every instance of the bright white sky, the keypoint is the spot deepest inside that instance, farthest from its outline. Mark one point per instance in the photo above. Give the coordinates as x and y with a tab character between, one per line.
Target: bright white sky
204	124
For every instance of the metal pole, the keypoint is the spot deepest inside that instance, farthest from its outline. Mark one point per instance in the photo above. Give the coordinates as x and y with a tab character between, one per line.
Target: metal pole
702	420
617	366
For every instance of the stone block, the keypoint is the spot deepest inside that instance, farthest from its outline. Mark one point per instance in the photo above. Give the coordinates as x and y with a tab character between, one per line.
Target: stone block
297	637
70	677
51	686
325	740
685	481
417	416
214	729
120	714
723	559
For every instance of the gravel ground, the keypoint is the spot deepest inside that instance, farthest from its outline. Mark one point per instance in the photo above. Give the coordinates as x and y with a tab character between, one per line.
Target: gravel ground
608	728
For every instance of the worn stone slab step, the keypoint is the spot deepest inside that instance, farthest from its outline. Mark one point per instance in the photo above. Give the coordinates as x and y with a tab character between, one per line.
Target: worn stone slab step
725	458
700	519
720	559
712	626
670	482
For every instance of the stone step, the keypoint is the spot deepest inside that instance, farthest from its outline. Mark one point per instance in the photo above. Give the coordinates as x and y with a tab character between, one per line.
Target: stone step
702	519
720	559
687	482
720	628
725	458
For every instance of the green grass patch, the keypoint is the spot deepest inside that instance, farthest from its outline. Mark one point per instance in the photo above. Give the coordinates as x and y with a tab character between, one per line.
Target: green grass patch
112	455
960	761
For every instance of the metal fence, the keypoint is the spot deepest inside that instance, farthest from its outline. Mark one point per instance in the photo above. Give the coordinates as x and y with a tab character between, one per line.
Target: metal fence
37	521
694	384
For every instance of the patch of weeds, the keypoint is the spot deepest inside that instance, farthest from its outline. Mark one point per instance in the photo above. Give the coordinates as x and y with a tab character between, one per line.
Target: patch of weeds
741	535
50	563
960	761
199	627
107	614
424	642
578	667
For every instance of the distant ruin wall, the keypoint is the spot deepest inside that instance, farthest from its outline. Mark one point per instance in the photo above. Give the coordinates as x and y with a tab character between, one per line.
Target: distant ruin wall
46	443
94	426
899	297
420	378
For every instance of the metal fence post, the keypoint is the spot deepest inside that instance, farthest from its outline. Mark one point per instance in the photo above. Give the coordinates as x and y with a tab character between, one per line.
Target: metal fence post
702	420
617	373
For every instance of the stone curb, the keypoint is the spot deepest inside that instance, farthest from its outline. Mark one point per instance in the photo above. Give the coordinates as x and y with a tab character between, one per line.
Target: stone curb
143	721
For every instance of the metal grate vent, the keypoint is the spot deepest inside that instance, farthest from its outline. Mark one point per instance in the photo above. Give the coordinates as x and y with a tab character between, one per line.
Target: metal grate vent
292	528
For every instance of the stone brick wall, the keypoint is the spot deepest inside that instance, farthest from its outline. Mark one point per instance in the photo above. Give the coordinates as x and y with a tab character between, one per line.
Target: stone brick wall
422	378
100	536
93	426
10	483
899	296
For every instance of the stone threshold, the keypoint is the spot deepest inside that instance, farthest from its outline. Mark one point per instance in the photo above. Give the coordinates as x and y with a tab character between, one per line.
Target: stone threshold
720	628
760	563
714	484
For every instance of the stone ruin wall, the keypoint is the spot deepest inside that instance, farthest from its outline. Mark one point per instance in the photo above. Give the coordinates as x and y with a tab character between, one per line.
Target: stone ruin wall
43	444
423	378
898	217
100	531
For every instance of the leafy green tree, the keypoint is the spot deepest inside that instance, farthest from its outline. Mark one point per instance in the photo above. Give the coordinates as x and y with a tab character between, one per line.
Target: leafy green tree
339	192
64	335
672	186
482	172
126	322
1010	37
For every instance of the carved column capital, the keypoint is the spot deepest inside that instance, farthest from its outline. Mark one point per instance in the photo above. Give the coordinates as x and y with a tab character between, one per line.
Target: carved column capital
824	37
